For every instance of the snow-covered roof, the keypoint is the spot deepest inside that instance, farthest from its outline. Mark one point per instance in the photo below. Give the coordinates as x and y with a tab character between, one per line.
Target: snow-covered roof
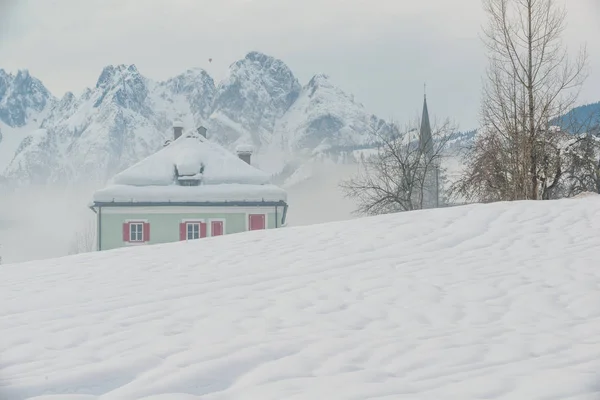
244	148
224	193
188	154
223	175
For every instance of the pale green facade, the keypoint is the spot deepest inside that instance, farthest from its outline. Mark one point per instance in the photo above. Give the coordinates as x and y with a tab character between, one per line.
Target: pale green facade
164	221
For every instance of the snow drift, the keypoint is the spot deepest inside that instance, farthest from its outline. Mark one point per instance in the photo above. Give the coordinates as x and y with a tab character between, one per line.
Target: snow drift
494	301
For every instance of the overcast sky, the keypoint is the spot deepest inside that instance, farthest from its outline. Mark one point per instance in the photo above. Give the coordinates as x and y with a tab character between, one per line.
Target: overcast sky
382	51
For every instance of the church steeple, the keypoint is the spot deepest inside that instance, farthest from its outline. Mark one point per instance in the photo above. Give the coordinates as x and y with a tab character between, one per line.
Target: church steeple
425	138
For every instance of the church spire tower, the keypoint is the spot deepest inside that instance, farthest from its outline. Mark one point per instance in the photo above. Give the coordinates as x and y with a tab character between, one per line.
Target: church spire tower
425	137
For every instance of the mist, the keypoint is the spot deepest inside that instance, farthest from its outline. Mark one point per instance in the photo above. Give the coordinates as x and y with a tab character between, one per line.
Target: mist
42	222
319	198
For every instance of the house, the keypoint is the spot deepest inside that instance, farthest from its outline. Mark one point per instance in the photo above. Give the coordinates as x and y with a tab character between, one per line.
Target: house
190	189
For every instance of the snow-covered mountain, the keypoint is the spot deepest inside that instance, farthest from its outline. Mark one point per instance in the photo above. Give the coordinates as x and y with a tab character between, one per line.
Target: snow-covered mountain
126	116
257	92
324	115
24	104
22	97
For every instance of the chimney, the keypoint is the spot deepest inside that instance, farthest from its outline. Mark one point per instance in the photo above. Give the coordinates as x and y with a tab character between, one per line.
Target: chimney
202	131
177	129
244	152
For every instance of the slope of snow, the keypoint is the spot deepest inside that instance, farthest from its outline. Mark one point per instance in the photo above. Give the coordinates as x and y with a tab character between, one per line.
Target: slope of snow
494	301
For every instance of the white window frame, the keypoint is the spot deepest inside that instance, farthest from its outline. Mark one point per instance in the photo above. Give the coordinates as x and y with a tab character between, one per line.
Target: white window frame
209	226
194	221
187	229
141	231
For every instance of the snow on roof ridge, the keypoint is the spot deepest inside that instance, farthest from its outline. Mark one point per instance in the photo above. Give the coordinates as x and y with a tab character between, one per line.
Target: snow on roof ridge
191	154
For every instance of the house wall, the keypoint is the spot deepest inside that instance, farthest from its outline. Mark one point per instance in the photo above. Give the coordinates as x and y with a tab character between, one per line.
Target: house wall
164	221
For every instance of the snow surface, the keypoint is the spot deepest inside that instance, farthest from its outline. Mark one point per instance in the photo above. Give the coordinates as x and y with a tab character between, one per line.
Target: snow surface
203	193
496	301
220	165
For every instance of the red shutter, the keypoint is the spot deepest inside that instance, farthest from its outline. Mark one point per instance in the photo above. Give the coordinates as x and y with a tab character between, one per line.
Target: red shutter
182	231
216	228
146	232
202	229
126	232
257	221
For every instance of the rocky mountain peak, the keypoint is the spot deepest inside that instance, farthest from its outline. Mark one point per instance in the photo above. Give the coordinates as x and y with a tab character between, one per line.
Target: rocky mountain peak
20	96
197	86
113	75
123	84
320	79
258	90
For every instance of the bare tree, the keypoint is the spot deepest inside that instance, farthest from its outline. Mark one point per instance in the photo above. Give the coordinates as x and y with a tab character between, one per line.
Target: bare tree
400	175
84	240
530	81
582	159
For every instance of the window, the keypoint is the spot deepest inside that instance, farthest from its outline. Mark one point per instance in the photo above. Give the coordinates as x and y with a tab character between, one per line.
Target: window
193	230
190	230
136	232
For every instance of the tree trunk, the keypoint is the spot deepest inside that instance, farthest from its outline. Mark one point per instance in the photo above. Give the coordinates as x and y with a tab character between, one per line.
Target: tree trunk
532	133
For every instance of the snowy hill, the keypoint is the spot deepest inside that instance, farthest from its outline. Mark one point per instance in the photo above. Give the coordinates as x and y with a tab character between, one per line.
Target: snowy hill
585	118
493	301
126	116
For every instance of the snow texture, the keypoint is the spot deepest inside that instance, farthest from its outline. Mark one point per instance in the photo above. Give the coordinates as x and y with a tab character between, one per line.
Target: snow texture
496	301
